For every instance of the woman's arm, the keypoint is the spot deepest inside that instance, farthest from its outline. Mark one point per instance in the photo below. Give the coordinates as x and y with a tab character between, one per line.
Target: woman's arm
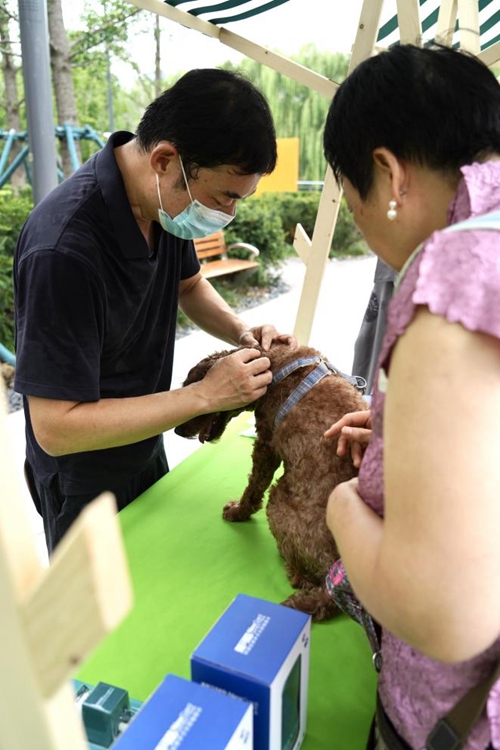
430	572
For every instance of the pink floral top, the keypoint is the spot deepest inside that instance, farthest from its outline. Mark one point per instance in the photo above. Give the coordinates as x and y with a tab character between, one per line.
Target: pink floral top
457	275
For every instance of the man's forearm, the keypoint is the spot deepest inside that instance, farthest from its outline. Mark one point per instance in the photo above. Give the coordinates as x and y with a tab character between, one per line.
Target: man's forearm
62	427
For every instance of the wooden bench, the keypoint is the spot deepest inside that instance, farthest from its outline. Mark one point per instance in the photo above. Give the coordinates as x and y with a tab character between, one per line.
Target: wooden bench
212	254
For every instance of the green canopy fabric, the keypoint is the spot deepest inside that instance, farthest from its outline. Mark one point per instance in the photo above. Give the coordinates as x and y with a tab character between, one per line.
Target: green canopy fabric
248	8
489	23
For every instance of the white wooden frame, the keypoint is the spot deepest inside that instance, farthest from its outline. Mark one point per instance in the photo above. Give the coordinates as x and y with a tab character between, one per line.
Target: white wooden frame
51	619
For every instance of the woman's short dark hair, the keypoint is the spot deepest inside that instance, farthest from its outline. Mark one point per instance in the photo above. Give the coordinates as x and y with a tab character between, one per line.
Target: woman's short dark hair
213	117
433	106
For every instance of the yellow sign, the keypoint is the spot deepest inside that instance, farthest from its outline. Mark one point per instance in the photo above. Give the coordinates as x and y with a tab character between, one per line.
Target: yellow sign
286	175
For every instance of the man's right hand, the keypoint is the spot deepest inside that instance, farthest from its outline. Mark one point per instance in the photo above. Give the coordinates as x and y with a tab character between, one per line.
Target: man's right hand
237	380
354	431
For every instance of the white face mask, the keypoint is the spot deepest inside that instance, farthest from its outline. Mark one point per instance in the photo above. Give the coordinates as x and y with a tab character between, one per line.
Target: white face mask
196	220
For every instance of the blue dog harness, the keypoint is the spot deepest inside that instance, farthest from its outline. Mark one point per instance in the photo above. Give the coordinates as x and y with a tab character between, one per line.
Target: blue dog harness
323	369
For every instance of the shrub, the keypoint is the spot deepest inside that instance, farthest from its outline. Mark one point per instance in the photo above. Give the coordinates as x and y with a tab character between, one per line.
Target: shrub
259	224
302	208
14	210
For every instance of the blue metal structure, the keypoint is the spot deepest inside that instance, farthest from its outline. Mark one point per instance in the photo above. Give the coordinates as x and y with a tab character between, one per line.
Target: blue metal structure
66	132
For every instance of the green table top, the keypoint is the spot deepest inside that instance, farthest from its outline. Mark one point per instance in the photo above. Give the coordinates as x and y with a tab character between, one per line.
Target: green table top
187	565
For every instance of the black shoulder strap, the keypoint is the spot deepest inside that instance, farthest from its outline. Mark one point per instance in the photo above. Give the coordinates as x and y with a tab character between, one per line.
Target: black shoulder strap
451	732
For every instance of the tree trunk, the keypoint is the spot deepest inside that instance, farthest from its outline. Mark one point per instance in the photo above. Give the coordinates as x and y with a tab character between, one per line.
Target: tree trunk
158	82
62	80
9	72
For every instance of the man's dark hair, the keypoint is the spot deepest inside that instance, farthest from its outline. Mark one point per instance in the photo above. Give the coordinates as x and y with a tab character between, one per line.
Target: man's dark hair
213	117
434	106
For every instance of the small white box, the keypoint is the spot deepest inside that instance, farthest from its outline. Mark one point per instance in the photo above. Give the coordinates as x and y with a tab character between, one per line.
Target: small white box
259	651
185	715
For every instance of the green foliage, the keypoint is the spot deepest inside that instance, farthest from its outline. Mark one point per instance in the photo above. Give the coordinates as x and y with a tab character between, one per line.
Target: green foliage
14	210
297	110
268	222
6	302
259	223
302	208
107	27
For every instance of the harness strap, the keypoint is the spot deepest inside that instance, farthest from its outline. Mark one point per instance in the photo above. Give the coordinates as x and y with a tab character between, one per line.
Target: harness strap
324	368
292	366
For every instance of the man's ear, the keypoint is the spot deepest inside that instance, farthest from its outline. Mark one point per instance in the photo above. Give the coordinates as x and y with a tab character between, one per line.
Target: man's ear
163	155
393	170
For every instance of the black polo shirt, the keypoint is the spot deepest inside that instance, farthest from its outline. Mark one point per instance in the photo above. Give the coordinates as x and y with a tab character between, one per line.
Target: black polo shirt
95	312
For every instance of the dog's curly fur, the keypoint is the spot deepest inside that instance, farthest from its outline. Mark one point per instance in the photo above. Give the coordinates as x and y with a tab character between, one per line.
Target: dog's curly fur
296	509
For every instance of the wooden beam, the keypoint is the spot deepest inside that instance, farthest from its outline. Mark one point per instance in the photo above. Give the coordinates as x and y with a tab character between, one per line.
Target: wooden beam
326	219
468	15
447	19
302	244
367	31
318	256
257	52
410	28
50	618
83	596
26	720
491	55
277	62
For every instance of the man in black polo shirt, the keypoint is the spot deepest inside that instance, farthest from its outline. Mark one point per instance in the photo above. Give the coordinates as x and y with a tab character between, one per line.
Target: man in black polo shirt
102	265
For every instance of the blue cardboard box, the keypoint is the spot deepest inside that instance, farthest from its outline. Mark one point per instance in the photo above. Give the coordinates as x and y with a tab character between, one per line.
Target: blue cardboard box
259	651
187	716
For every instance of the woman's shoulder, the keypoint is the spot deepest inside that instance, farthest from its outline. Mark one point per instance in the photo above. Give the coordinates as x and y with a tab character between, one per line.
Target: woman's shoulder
458	277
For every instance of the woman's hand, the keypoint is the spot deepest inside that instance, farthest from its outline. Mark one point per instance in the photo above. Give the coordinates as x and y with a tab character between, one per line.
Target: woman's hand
354	431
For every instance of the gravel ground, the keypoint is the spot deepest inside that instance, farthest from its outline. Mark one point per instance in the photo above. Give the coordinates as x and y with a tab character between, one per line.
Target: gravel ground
14	401
253	297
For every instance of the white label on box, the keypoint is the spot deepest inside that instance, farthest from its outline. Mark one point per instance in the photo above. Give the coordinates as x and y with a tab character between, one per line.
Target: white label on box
178	730
252	635
243	736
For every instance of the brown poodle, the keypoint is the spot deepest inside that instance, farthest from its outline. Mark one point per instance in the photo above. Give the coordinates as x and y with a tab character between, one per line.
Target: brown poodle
296	509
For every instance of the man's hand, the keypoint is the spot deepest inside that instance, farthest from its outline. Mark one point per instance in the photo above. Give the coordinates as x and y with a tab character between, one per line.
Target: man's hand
355	431
264	336
237	380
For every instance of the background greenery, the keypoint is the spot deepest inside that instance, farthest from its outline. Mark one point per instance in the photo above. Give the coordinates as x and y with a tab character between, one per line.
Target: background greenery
268	221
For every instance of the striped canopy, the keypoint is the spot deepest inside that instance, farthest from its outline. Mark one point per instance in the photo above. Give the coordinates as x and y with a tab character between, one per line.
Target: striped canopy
227	11
489	23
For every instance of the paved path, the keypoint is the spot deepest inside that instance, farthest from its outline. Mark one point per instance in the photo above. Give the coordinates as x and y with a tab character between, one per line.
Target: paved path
344	294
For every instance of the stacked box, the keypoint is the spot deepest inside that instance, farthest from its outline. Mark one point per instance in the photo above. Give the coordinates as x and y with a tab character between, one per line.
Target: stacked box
259	651
187	716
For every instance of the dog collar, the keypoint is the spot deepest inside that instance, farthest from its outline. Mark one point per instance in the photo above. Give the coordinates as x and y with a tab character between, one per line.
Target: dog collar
323	369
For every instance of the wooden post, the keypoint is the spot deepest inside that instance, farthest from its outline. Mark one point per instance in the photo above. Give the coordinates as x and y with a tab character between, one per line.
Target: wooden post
447	19
468	18
51	619
319	246
410	28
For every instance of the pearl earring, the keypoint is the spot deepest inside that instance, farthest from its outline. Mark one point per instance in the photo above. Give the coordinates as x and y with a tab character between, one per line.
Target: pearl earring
392	213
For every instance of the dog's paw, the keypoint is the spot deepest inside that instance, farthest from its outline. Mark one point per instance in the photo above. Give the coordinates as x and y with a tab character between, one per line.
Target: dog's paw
235	511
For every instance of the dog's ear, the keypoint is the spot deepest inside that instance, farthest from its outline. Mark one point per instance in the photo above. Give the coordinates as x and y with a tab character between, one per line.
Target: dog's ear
199	371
